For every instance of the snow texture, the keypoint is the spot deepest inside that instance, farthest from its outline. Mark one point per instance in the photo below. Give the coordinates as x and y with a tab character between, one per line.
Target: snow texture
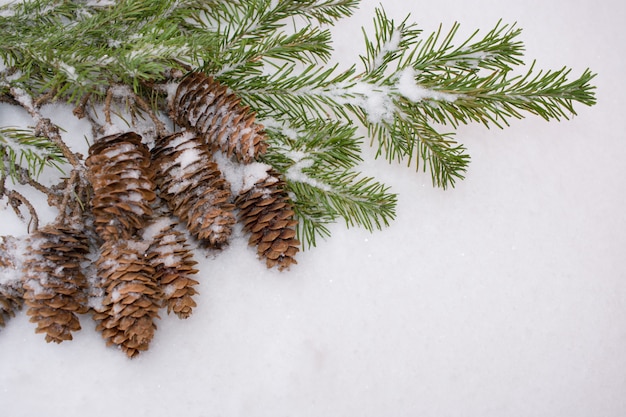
241	177
502	297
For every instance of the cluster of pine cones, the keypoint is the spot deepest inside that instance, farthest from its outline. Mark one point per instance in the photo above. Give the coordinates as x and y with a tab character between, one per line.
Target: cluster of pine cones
130	250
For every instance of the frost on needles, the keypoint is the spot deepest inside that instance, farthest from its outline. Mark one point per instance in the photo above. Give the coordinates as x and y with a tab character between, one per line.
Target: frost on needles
238	101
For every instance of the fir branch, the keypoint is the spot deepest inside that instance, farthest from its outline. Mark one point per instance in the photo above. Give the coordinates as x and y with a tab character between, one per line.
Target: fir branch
317	161
432	81
22	148
273	54
313	93
359	201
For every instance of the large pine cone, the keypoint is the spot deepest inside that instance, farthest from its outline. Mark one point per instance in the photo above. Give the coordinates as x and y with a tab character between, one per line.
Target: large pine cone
11	290
131	296
205	105
123	183
173	262
193	187
53	280
266	212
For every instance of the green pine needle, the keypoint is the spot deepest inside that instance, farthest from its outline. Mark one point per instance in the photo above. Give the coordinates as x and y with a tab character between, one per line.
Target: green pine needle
22	148
410	93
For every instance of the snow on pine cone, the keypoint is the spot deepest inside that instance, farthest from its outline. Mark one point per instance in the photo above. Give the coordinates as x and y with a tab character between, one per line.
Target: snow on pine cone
266	212
173	262
205	105
120	172
131	296
193	187
54	283
11	290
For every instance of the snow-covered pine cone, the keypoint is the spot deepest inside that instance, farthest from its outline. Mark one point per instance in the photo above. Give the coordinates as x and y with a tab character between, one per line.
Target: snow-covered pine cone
266	212
11	290
122	178
173	262
207	106
193	187
54	283
131	296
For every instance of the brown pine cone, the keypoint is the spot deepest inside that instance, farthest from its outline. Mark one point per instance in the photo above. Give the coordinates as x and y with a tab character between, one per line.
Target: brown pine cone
205	105
173	263
123	182
11	290
53	280
193	187
266	212
131	296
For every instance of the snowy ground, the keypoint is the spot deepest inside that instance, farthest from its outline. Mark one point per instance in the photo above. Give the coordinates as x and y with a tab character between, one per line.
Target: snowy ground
505	296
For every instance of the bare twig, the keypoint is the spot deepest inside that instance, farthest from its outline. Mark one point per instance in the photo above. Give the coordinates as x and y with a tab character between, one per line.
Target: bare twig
44	126
44	98
160	126
15	199
24	178
79	111
69	190
107	106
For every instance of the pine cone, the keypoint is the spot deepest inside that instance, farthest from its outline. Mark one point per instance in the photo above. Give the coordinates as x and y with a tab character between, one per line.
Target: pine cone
173	262
205	105
11	290
131	296
267	213
123	184
53	281
193	187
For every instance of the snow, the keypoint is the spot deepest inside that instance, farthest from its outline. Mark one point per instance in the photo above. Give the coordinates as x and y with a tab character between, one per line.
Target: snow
377	102
505	296
408	88
188	157
241	177
389	46
69	70
151	231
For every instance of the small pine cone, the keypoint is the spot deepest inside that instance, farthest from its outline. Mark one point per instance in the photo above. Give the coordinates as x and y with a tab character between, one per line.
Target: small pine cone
11	290
193	187
123	183
205	105
173	262
54	283
266	212
131	296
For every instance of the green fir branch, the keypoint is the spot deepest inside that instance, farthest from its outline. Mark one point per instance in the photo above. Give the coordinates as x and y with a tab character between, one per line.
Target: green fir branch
318	161
410	93
22	148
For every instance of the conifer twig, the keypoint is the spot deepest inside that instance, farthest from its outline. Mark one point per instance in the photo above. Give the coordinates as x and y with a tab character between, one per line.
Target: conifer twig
15	199
44	126
160	126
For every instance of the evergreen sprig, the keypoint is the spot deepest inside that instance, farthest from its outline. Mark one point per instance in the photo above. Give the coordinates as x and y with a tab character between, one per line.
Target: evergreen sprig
410	91
319	163
21	148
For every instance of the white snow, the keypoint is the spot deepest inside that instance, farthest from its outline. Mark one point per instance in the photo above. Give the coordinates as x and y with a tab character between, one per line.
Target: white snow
503	297
241	177
408	88
69	70
151	231
389	46
188	157
377	101
296	173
